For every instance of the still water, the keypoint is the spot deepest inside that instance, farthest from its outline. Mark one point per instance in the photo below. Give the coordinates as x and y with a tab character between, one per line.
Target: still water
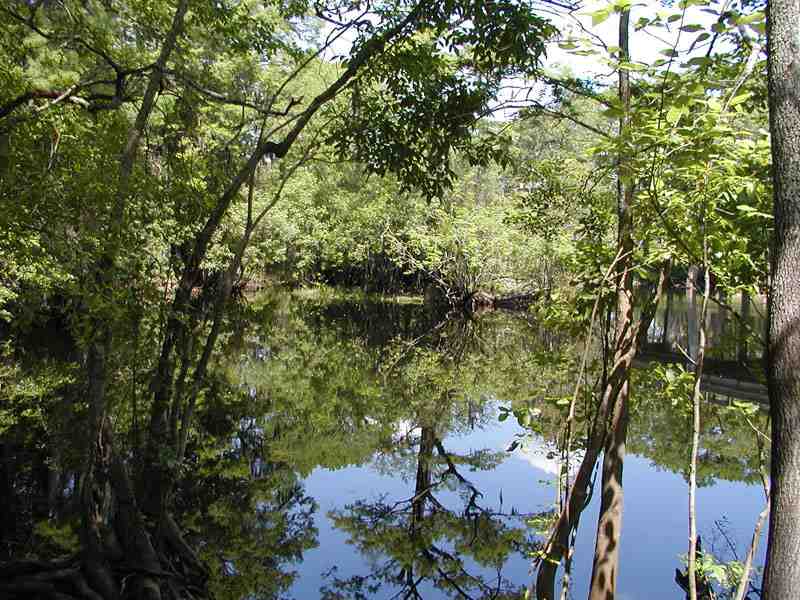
378	449
420	454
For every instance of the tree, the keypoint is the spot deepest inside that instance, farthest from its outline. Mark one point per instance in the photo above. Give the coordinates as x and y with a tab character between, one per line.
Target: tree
782	576
675	158
173	114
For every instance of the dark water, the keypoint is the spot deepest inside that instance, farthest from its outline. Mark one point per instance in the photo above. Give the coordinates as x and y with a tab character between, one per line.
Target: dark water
352	449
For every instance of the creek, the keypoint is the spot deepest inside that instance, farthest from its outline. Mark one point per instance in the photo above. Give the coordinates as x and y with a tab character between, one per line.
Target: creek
429	448
352	448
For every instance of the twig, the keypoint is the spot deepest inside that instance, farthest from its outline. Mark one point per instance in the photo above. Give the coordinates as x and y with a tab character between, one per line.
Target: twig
762	517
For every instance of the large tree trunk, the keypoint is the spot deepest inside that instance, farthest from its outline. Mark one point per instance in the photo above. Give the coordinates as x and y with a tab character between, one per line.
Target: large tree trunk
104	504
665	341
609	523
625	349
782	575
427	442
151	484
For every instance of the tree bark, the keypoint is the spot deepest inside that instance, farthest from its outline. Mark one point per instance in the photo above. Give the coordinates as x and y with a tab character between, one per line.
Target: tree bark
665	342
782	574
427	441
697	396
609	523
625	350
150	485
96	490
741	348
691	314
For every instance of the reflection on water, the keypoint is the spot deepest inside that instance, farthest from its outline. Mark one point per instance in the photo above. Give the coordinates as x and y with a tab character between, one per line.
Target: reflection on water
379	450
736	329
417	491
736	334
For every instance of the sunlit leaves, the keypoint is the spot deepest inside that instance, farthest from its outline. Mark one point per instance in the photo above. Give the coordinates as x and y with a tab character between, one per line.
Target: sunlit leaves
410	113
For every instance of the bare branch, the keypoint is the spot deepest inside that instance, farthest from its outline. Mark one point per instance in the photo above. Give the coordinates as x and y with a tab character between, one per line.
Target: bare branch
223	99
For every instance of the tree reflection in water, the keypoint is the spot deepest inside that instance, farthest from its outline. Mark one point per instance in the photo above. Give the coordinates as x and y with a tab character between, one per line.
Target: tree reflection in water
301	386
422	541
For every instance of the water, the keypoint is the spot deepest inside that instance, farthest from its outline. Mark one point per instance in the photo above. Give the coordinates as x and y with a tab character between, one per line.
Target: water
655	526
736	328
354	449
393	370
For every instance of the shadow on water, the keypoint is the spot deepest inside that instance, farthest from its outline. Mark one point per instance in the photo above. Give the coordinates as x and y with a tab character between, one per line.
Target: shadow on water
380	449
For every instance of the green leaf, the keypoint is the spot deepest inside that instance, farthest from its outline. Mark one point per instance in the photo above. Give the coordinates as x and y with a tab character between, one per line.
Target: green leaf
756	17
601	15
631	66
674	115
719	27
698	61
739	99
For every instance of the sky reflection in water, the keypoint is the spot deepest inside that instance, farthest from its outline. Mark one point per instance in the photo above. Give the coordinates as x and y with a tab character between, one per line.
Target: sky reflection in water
654	527
655	520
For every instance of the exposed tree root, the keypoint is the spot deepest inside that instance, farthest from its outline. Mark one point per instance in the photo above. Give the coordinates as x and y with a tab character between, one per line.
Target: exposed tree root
52	580
174	538
176	574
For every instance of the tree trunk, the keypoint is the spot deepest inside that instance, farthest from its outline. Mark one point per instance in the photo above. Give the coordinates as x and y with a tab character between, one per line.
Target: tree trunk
665	342
422	488
149	487
8	497
782	574
625	349
697	396
94	493
96	490
609	523
691	314
719	325
741	349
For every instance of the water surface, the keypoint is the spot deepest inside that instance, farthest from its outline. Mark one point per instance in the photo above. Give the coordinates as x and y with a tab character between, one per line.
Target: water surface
424	482
381	449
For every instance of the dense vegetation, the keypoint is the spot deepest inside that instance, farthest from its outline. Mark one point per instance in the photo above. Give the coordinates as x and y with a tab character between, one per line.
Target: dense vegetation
160	161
